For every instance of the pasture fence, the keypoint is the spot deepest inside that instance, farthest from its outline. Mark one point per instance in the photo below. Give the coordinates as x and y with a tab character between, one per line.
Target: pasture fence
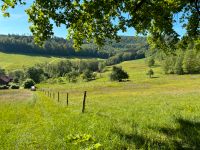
52	94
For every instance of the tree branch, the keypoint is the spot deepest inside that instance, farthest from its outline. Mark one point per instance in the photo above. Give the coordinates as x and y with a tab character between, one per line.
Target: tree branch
139	5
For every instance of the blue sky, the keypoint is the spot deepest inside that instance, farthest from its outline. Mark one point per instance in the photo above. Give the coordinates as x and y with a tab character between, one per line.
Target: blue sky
18	24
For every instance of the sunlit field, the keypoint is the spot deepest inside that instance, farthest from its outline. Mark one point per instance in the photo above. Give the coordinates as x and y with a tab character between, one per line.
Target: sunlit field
20	61
162	112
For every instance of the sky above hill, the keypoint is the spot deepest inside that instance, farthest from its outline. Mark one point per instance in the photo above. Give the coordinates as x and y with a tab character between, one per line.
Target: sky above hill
18	24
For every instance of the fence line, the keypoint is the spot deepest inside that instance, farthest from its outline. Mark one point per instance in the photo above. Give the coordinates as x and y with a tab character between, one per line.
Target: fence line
50	93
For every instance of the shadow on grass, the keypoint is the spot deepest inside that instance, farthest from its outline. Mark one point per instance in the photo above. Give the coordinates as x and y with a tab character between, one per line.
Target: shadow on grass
154	77
139	141
185	136
188	134
127	80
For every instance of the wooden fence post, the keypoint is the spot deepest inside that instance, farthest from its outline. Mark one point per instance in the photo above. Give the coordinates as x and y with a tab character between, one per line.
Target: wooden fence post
84	99
58	96
67	99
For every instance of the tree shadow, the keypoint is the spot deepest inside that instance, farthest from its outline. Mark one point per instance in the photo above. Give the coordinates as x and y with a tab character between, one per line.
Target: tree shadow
139	141
125	80
153	77
185	136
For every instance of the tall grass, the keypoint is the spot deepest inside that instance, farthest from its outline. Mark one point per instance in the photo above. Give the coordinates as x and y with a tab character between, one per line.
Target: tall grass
144	113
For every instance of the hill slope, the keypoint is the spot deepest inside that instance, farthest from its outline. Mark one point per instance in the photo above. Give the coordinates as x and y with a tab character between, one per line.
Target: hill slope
158	113
19	61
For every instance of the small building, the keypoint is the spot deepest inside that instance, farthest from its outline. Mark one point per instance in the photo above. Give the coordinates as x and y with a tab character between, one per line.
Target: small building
5	80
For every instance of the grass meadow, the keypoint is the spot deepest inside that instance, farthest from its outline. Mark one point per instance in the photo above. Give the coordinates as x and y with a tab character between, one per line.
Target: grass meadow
158	113
18	61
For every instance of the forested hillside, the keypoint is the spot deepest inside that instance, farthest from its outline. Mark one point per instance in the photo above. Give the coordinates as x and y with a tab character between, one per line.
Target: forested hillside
60	47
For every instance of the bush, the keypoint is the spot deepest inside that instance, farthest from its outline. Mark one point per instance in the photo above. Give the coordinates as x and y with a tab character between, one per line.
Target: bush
35	74
114	60
4	87
94	75
150	73
88	75
101	66
151	62
60	80
178	69
118	74
2	72
28	83
93	65
72	76
120	58
17	75
14	86
168	65
191	63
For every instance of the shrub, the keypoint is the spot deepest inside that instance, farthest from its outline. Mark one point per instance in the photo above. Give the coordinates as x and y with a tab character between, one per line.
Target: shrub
178	68
101	66
150	73
72	76
2	71
28	83
168	65
17	75
60	80
63	67
128	56
14	86
82	65
191	62
94	75
114	60
151	62
4	87
93	65
35	73
87	75
118	74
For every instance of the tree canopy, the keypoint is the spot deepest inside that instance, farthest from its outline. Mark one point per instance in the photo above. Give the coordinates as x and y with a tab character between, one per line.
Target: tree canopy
21	44
99	20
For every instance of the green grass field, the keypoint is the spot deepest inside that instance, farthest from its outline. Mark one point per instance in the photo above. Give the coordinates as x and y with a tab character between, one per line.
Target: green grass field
143	113
16	61
19	61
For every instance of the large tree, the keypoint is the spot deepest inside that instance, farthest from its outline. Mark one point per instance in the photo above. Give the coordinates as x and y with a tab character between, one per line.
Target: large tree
98	20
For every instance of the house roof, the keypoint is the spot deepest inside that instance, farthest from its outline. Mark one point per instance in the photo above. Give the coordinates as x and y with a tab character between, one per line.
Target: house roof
5	78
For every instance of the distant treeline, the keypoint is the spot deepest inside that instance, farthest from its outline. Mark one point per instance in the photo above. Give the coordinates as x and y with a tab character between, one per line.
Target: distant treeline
60	47
125	56
70	70
55	46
